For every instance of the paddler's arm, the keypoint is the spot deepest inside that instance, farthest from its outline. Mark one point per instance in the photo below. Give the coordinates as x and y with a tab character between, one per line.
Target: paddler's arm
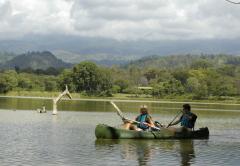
150	122
174	123
127	120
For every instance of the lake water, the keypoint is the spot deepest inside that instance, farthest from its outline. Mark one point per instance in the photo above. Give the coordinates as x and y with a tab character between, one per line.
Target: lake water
31	138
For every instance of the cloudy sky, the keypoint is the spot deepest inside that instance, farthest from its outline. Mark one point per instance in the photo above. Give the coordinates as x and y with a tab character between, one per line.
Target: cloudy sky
121	19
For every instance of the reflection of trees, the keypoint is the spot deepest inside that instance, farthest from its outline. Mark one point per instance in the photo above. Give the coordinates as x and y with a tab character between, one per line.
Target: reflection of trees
23	103
186	152
144	151
132	150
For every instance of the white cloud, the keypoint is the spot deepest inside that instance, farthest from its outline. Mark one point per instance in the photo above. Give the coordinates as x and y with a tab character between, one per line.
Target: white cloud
35	17
121	19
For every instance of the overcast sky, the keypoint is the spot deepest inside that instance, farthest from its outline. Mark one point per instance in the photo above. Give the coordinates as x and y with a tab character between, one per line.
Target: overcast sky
121	19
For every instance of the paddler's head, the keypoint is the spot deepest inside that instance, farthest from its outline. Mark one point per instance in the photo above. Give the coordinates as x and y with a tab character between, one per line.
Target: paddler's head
143	109
186	108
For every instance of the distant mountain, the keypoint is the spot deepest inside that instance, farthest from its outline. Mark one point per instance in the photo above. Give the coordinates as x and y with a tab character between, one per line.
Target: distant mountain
101	59
75	49
6	56
35	60
185	61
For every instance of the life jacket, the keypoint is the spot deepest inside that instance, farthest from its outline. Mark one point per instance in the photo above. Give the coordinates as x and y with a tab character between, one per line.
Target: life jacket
142	118
189	123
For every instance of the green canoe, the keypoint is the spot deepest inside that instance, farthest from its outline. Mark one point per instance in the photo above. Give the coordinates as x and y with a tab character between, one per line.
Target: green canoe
103	131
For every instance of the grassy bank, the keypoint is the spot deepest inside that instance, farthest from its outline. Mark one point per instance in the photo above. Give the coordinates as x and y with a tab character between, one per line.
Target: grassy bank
234	100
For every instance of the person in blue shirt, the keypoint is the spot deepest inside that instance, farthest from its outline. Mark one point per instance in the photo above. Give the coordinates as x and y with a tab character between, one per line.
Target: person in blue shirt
144	118
187	119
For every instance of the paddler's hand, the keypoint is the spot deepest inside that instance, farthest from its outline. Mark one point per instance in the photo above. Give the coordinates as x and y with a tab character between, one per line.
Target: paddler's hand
162	125
126	120
170	124
147	124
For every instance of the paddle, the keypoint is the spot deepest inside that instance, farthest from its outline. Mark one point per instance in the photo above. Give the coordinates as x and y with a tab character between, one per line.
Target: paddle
174	118
119	112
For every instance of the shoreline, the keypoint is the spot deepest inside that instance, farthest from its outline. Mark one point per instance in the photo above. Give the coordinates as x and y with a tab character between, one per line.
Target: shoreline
142	100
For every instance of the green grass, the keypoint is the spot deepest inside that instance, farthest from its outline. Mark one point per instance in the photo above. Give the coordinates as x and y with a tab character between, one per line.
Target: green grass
185	98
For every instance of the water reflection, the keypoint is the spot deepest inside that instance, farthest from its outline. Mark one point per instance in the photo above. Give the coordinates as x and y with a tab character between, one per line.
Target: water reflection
187	152
105	106
143	152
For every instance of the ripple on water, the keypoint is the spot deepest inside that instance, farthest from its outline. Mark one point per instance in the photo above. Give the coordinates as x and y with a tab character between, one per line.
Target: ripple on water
28	138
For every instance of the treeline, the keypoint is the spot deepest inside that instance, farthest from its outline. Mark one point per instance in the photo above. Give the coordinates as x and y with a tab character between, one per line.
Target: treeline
187	76
48	71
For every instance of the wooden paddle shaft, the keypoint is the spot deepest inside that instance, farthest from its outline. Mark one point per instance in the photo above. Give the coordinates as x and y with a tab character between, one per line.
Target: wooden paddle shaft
174	118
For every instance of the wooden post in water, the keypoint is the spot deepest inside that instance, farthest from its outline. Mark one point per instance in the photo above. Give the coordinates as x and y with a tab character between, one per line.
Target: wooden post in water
55	100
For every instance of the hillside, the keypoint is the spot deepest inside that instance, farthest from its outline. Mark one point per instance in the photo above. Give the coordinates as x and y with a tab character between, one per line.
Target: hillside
74	49
35	60
101	59
6	56
185	61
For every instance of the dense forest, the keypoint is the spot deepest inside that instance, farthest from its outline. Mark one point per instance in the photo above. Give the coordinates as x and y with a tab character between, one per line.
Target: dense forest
177	76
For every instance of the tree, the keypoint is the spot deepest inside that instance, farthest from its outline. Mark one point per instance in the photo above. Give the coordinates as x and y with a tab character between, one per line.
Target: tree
192	85
135	74
169	87
173	87
151	74
66	78
50	84
197	88
85	77
105	83
158	90
164	75
228	70
202	64
8	81
222	86
4	86
88	77
11	77
24	82
52	71
181	75
122	84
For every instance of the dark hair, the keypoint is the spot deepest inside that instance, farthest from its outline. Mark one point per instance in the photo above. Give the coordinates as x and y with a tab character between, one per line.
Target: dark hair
187	107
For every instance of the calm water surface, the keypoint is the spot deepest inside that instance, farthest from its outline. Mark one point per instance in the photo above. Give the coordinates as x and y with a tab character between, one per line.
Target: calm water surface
30	138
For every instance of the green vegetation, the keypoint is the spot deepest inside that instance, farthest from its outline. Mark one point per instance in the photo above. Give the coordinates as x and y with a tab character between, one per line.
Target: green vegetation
196	77
88	78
